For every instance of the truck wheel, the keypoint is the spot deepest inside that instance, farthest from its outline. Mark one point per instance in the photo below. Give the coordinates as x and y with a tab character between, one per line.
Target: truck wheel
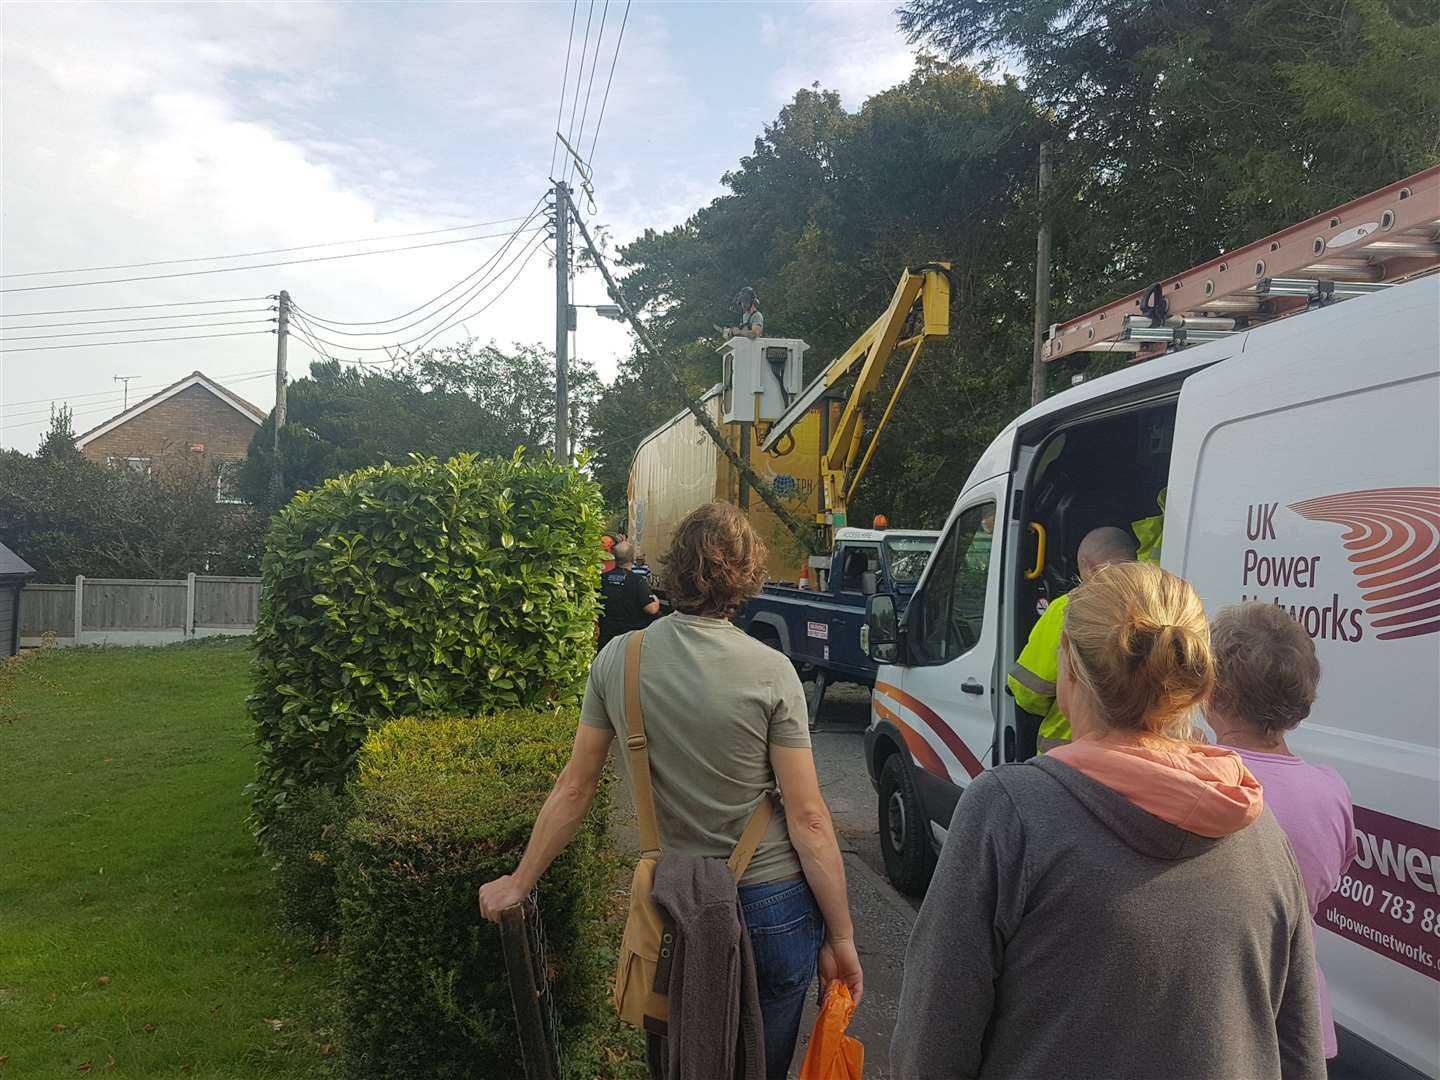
766	635
904	840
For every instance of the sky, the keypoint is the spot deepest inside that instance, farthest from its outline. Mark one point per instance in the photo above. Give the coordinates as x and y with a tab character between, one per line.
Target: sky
136	133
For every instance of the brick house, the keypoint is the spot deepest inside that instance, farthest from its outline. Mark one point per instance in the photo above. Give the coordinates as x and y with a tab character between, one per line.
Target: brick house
193	421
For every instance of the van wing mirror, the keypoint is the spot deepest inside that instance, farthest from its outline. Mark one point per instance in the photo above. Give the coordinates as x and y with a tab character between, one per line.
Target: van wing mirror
869	583
882	629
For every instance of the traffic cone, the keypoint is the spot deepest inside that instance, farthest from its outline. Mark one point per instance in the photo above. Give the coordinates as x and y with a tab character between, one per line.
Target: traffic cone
805	576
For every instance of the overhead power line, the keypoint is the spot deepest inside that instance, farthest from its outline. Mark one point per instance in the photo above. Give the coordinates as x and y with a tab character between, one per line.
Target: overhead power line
254	266
265	251
426	337
605	100
594	64
560	109
499	253
134	341
579	75
133	389
493	300
42	416
138	330
108	397
439	313
136	307
140	318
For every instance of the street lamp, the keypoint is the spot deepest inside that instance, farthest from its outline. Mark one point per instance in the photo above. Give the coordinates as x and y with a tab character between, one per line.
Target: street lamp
605	311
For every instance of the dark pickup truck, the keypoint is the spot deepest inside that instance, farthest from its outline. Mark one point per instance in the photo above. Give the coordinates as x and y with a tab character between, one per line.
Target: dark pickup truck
819	629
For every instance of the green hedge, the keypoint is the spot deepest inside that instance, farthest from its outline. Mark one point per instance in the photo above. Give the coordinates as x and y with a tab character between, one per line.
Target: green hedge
305	845
460	587
441	806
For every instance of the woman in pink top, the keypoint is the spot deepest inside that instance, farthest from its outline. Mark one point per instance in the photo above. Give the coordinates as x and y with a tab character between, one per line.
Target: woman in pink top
1265	678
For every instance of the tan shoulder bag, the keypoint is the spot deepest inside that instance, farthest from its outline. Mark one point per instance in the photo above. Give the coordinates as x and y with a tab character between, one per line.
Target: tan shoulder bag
642	974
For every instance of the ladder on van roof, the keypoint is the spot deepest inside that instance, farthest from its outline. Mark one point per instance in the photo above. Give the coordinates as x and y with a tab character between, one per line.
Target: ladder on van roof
1366	245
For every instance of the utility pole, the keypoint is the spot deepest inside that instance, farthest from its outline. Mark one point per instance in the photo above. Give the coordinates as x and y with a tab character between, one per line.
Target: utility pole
124	380
562	322
1042	281
282	333
762	487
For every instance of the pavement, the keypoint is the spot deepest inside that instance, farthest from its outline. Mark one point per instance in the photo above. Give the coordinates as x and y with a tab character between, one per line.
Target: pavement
883	917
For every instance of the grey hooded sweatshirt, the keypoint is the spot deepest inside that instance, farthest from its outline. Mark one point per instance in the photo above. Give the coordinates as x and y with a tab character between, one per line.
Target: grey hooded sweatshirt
1070	934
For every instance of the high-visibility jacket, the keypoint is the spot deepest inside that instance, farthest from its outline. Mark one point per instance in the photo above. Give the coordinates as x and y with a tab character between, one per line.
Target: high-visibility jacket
1032	679
1151	532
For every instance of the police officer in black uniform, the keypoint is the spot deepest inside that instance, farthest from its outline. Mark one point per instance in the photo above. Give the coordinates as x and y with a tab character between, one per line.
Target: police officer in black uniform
628	603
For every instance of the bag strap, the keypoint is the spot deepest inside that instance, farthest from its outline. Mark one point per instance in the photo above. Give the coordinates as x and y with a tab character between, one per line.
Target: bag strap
637	747
750	839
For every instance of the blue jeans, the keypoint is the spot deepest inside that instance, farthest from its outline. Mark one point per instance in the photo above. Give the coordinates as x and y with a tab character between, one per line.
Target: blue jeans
786	932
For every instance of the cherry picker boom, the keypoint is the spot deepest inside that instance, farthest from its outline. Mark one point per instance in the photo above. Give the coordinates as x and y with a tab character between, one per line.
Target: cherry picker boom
842	460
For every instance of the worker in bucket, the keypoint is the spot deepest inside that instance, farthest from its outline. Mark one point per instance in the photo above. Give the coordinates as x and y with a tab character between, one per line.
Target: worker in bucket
1032	679
752	323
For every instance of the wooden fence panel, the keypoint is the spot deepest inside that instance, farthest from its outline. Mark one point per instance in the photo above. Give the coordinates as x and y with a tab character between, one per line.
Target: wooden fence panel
231	603
114	604
47	608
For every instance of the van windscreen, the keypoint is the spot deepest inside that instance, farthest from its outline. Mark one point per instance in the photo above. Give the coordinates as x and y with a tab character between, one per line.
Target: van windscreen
908	556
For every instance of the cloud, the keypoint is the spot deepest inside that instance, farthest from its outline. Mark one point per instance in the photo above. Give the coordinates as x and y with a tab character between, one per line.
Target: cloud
850	46
156	131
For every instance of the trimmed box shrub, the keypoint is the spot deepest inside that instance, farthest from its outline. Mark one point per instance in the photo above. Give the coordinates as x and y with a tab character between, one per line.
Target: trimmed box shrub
442	805
460	587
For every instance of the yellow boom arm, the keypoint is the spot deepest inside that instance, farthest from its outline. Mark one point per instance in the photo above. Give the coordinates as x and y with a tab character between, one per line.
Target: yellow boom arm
840	471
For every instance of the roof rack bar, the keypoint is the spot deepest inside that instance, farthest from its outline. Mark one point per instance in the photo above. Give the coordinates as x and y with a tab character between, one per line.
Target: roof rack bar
1386	236
1316	289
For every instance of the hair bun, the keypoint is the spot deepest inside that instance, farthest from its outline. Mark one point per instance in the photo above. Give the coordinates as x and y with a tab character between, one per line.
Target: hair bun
1143	643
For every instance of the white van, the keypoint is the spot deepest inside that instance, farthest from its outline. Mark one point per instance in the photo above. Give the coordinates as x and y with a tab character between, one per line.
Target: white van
1302	465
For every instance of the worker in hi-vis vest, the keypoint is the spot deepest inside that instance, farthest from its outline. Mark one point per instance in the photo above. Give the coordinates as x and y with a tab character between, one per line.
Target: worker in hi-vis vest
1032	679
1150	532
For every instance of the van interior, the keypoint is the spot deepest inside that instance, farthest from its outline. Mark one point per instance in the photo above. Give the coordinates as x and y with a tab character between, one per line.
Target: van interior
1087	473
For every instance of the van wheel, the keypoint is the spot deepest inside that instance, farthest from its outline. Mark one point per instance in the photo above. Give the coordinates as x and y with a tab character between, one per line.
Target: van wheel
904	840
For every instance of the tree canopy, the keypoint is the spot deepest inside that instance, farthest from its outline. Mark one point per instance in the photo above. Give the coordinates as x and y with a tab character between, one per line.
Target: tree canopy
461	398
1181	130
821	218
66	515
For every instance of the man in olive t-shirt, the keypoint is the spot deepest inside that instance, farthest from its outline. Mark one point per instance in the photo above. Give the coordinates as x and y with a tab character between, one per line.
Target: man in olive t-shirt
715	701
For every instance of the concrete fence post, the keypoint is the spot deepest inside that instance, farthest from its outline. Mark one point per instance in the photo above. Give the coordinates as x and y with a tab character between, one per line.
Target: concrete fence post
189	605
79	607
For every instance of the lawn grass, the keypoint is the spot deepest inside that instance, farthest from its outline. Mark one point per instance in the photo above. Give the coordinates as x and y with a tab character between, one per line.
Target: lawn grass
137	926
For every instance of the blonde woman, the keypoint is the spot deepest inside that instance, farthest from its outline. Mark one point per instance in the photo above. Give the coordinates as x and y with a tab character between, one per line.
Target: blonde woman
1123	906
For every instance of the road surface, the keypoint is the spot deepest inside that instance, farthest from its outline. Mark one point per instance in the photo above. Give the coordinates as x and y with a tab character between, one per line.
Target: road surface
883	917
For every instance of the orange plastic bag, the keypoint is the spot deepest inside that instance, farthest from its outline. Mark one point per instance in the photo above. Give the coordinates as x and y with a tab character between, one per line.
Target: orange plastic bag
832	1054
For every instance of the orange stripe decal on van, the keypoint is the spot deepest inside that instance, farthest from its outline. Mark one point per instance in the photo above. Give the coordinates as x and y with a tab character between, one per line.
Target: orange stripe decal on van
952	741
919	748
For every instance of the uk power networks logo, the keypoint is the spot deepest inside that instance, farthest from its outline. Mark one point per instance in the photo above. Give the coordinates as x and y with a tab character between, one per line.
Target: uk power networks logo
1393	536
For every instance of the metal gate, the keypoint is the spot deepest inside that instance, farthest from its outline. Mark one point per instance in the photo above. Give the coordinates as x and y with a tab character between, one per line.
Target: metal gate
527	963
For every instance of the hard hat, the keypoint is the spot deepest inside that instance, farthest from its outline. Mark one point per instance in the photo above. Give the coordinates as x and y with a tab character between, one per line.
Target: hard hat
745	297
607	542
